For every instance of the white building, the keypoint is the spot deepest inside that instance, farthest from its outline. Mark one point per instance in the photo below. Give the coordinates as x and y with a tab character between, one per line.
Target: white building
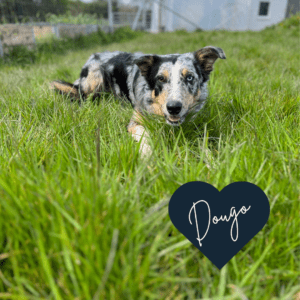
216	14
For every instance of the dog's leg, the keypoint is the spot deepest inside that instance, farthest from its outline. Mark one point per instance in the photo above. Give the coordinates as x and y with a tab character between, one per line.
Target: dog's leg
139	133
92	80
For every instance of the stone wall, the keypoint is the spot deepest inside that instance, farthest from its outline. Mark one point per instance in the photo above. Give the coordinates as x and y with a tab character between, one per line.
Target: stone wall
13	34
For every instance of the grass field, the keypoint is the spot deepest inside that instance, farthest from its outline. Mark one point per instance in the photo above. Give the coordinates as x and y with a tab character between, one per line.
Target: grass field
83	217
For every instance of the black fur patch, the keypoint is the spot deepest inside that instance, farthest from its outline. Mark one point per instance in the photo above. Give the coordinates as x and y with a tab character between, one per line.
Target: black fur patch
203	78
136	76
174	59
151	76
96	56
120	62
107	80
203	74
158	88
84	72
191	89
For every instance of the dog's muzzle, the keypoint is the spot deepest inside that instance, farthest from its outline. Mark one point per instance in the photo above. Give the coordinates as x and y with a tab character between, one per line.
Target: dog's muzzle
174	108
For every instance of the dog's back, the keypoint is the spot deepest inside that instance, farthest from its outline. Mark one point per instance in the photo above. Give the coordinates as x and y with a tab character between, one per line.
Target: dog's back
105	71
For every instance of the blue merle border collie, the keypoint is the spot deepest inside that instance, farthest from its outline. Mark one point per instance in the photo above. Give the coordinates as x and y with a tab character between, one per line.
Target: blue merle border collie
170	85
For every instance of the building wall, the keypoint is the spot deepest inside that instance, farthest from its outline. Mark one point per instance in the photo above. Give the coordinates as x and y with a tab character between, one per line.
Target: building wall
170	17
212	14
13	35
191	9
292	7
277	11
223	14
154	18
235	15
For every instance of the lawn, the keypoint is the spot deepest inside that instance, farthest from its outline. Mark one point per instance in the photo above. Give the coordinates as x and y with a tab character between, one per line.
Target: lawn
82	216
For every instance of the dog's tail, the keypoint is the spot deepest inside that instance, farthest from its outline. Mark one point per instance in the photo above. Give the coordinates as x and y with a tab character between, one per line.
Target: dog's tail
66	88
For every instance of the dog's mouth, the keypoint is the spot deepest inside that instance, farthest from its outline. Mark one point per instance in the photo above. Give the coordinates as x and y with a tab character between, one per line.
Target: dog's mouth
174	121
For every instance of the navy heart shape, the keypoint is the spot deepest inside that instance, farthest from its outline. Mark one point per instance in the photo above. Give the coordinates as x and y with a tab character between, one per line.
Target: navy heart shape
221	223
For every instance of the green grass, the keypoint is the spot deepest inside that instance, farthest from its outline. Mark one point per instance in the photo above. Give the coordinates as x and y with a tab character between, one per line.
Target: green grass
83	217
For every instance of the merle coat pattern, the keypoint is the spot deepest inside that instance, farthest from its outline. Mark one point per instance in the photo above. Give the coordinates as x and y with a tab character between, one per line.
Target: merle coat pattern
170	85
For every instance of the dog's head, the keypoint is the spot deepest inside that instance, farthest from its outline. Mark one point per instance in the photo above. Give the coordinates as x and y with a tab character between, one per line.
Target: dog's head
177	82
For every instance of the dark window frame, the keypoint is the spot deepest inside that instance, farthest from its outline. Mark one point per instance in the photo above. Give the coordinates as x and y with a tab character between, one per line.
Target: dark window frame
264	9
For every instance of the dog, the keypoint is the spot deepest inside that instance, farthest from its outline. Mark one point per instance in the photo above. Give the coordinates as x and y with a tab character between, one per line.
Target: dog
171	85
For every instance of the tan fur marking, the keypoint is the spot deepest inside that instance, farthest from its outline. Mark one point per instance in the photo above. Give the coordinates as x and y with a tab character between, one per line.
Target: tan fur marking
203	54
93	83
189	100
157	109
165	73
64	88
145	63
134	129
185	71
159	101
206	58
200	55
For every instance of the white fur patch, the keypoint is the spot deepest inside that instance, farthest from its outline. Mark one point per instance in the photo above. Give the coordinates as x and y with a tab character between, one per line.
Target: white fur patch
175	81
140	133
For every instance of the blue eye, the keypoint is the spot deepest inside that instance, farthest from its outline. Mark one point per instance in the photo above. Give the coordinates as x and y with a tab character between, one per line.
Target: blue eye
189	78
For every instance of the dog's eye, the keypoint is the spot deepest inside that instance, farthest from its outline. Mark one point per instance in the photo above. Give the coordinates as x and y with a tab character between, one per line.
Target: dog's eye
190	78
161	78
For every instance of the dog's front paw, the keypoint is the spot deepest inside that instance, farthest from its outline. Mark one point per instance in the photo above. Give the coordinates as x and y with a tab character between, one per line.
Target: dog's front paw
140	135
145	149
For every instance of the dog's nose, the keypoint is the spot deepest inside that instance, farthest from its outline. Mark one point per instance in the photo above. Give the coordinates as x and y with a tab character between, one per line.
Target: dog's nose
174	107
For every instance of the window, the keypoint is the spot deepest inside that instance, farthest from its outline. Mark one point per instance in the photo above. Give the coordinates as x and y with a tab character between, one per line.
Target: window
263	8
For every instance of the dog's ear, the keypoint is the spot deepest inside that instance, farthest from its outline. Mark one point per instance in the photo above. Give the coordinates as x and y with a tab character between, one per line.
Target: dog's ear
207	57
145	63
66	88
